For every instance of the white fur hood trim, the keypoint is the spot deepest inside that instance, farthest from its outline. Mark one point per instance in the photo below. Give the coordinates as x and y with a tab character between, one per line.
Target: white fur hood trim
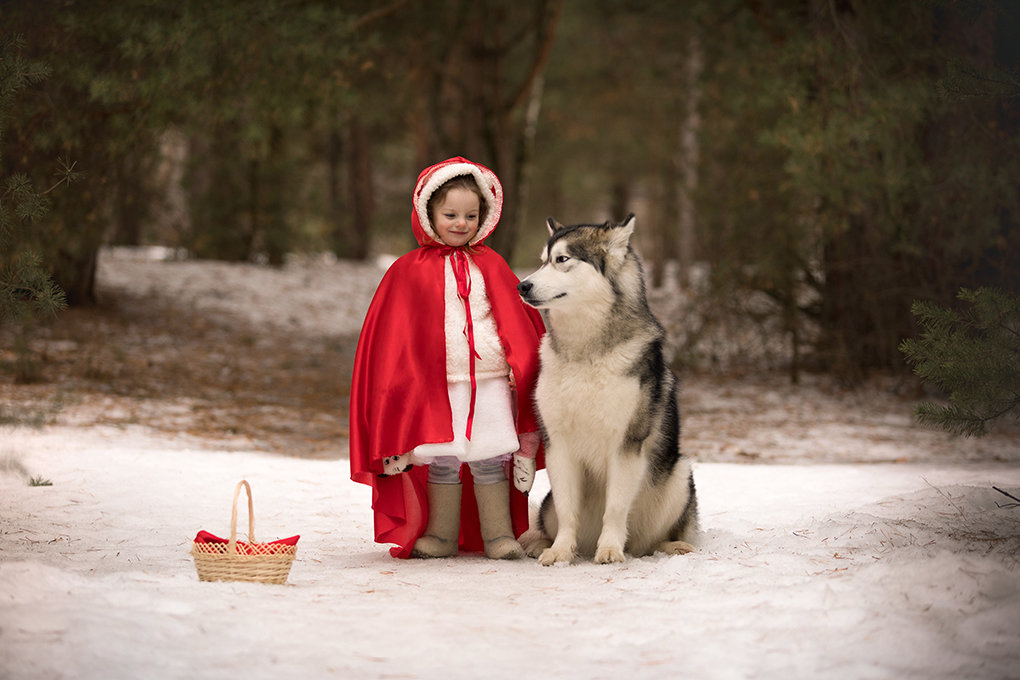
487	182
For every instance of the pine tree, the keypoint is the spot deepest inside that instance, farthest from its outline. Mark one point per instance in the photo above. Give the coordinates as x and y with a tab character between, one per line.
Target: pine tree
971	353
26	288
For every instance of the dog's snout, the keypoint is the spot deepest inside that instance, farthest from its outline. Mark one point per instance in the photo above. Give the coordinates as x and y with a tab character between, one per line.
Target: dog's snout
524	287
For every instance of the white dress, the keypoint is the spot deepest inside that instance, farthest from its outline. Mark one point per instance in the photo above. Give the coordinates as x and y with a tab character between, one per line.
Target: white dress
493	431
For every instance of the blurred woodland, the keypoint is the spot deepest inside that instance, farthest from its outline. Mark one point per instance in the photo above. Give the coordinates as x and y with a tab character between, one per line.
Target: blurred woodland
818	165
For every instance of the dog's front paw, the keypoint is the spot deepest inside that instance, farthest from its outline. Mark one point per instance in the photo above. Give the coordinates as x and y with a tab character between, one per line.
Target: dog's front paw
552	555
609	555
534	542
536	548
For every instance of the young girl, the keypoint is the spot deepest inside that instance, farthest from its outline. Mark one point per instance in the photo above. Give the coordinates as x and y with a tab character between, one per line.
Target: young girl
441	398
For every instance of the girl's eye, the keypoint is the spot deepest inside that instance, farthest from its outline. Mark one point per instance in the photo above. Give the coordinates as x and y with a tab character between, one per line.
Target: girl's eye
560	259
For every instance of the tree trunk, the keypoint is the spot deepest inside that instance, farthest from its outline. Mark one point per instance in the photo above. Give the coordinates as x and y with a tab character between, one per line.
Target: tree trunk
361	189
253	209
335	207
663	226
130	200
75	273
525	154
275	236
687	160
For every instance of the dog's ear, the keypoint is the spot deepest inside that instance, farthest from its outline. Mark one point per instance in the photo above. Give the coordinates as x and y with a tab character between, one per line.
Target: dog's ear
620	235
553	225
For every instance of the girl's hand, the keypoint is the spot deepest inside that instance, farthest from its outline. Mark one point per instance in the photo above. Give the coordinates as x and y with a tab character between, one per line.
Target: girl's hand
524	461
394	465
524	473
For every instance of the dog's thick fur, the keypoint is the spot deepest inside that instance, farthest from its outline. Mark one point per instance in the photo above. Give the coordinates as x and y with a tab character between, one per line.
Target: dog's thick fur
607	401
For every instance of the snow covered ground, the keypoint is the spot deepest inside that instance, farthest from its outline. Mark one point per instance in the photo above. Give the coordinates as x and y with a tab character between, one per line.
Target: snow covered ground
849	571
865	548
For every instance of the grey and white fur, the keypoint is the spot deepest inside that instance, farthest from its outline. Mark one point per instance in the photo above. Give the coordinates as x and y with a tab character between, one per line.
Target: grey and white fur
607	401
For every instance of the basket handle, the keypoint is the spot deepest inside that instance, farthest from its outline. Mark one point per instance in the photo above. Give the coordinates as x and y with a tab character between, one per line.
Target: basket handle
232	544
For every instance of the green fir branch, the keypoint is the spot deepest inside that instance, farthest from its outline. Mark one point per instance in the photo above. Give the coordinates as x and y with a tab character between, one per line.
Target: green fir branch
26	288
973	354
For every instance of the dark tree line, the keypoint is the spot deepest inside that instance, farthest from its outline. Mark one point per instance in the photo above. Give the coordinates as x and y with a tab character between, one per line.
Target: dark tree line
841	157
873	161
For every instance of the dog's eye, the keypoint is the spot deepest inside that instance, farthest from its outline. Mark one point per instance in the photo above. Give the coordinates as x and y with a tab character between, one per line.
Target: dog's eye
560	259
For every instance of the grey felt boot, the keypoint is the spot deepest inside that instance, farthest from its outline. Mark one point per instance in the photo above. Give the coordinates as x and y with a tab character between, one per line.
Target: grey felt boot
494	518
443	531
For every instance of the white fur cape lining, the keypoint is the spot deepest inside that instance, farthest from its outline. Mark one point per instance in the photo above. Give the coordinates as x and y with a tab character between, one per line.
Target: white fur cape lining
487	181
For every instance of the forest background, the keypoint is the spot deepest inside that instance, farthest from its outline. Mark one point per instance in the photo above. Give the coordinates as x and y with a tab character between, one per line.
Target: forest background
811	167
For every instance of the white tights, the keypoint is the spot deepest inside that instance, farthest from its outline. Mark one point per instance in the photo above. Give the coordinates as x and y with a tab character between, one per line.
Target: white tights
446	470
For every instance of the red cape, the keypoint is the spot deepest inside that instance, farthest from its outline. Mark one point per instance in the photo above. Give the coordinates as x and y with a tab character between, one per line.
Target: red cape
399	396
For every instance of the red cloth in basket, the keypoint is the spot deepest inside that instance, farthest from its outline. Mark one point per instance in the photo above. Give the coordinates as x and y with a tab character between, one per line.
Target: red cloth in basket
246	548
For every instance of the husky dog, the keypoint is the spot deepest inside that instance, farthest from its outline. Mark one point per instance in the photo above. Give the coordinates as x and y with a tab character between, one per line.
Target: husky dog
608	406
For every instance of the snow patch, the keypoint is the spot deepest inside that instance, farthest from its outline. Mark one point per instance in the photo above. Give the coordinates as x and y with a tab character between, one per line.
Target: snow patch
881	571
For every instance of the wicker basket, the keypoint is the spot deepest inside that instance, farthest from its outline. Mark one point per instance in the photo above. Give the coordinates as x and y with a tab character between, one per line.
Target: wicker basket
218	559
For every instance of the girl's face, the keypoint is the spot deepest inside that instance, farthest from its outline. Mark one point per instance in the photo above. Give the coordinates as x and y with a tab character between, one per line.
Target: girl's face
456	217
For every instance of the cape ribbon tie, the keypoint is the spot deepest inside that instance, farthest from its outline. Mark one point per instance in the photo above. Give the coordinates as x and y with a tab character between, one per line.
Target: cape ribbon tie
462	274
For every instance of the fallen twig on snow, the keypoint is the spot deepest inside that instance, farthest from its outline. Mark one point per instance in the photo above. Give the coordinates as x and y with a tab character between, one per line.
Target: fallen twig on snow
1008	495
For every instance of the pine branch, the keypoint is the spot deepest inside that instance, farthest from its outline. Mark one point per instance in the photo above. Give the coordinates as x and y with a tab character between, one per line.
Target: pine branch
974	355
67	174
26	288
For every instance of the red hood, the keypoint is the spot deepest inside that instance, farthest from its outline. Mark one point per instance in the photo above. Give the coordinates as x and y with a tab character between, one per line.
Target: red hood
433	177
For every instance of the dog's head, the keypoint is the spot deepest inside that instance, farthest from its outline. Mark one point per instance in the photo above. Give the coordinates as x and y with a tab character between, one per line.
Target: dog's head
579	263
